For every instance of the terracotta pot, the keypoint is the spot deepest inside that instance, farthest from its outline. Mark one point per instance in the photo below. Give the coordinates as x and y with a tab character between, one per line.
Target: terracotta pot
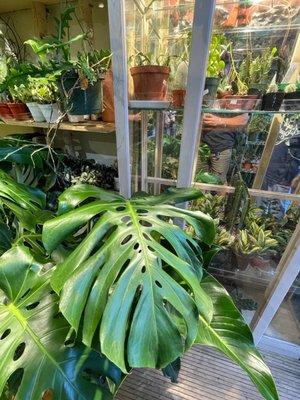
236	102
178	96
5	111
247	165
150	82
108	112
19	111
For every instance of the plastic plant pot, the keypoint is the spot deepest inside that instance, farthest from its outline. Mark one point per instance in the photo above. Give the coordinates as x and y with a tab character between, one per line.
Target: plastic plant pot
35	111
19	111
51	112
292	100
5	111
150	82
178	96
211	84
81	101
272	101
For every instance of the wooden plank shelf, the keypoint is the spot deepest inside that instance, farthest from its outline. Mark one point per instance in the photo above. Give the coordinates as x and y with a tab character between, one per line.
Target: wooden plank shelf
86	127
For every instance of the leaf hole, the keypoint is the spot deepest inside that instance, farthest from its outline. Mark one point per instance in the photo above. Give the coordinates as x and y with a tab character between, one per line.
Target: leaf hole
158	284
146	236
48	394
150	248
25	294
136	246
32	306
129	223
19	351
58	315
127	239
145	223
142	211
143	270
125	219
5	334
70	342
121	208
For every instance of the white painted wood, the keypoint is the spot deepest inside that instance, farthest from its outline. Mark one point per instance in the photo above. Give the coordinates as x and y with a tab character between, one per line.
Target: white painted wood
117	30
149	104
144	153
287	271
202	28
280	347
159	133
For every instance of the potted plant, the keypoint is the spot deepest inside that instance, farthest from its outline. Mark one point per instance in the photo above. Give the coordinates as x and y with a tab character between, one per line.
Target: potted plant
32	101
5	111
81	77
215	65
292	96
59	279
150	75
272	100
19	95
45	92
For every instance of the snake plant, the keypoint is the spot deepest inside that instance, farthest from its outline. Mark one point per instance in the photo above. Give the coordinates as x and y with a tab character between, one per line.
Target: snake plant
121	286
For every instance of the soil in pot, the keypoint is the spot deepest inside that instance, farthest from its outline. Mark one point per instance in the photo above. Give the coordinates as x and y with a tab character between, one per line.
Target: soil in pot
236	102
36	113
272	101
81	101
178	96
19	111
150	82
5	111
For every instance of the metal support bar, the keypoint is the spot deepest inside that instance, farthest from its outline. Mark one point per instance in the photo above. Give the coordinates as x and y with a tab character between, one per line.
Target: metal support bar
117	30
159	133
288	269
144	154
202	28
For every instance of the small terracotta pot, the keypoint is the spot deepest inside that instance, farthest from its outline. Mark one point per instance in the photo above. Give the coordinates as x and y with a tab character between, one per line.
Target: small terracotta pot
178	96
19	111
247	165
5	111
150	82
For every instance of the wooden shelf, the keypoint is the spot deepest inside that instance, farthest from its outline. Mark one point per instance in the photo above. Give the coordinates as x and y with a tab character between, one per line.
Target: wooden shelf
87	127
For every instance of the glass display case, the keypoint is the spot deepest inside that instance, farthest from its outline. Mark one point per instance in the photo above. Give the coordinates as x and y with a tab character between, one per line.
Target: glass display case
246	152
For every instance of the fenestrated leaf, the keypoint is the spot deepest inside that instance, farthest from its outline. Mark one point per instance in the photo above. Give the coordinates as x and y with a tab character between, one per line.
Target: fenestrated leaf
229	333
33	339
119	275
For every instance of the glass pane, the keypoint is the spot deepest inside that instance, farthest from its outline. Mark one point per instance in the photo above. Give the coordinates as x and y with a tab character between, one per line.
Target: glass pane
252	234
286	322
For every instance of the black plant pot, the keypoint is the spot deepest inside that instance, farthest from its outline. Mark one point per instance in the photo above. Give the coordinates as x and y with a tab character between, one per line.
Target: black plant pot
292	100
272	101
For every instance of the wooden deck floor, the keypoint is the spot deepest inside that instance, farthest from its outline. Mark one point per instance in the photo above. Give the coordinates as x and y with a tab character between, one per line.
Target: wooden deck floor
207	375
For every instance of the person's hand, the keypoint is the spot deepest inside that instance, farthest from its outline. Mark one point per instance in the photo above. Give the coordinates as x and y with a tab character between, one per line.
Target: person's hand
212	121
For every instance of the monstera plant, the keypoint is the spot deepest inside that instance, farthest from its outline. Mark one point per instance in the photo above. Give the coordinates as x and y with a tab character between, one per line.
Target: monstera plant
120	286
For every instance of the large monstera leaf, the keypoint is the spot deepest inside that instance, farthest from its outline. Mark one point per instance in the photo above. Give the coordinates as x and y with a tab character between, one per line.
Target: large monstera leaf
33	339
229	333
27	204
130	270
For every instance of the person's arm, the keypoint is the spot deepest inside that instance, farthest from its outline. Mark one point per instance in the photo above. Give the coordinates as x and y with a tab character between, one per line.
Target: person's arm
215	121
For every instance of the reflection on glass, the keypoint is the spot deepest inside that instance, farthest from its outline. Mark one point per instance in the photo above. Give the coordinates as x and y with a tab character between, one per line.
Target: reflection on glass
286	322
252	236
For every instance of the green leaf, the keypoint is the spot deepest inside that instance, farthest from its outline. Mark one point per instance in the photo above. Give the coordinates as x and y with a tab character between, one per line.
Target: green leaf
120	276
25	202
229	333
5	237
33	339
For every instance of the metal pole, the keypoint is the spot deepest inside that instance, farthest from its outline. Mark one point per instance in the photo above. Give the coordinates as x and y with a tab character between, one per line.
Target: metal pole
202	28
117	30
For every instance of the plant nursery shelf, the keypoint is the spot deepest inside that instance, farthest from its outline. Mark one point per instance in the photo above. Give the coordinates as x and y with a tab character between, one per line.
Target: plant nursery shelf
88	127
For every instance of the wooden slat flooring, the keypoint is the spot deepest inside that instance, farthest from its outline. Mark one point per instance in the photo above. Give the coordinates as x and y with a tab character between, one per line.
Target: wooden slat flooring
208	375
